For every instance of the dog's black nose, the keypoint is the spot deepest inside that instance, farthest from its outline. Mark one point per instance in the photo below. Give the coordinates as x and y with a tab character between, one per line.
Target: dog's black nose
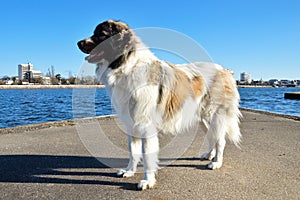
84	46
80	44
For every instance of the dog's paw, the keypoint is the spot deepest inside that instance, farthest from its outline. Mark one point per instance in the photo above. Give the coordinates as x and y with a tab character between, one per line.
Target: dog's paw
208	156
124	173
146	184
214	165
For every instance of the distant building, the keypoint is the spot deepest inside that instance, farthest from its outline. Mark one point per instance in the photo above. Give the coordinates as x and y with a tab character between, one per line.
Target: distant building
36	74
9	82
245	77
274	82
26	72
22	69
46	80
285	82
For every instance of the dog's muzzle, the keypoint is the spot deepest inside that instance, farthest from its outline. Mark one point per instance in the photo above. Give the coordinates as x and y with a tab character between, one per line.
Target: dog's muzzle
86	45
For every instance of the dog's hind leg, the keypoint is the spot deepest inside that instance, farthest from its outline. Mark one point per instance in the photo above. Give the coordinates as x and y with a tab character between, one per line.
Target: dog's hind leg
210	139
135	151
210	154
218	129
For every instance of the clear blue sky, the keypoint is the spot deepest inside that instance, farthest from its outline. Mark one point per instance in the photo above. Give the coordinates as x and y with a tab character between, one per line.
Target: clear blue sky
261	37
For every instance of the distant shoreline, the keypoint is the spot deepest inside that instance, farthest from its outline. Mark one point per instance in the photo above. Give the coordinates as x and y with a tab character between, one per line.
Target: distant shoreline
17	87
254	86
261	86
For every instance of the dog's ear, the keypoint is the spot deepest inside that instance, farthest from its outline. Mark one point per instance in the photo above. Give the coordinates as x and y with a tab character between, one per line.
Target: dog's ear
118	27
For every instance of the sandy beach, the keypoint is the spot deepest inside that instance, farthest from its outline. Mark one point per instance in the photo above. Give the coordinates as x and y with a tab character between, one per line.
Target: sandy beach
52	161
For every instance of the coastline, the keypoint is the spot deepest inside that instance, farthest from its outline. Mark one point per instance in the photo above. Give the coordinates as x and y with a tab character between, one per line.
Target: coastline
53	124
72	122
293	117
18	87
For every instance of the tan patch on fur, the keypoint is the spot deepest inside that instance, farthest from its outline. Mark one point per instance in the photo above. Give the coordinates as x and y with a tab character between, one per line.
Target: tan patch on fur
223	89
155	71
198	86
226	76
176	96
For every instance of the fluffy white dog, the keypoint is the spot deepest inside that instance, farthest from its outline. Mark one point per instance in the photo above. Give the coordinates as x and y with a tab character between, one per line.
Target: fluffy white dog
151	95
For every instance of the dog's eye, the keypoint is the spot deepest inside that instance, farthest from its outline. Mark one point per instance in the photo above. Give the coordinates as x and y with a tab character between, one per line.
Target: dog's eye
99	38
103	37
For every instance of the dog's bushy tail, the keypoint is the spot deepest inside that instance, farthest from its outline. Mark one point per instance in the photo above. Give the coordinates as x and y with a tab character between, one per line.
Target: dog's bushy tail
233	113
233	132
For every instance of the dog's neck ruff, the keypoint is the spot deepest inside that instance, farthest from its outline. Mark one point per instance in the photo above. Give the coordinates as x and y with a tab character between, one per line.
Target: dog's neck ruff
111	73
120	60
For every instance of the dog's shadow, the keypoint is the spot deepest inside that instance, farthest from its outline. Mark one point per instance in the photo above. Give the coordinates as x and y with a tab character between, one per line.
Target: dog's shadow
192	162
57	170
68	170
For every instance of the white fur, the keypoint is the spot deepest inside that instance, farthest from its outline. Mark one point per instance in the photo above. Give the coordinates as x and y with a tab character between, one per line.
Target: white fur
136	102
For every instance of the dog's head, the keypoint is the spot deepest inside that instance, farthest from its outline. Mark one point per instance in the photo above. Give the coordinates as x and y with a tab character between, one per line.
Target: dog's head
110	41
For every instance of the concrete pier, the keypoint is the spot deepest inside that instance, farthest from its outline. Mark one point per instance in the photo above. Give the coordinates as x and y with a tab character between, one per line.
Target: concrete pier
292	95
49	161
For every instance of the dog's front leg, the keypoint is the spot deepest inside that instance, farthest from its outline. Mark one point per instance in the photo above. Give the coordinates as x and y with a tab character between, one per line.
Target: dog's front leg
135	155
150	148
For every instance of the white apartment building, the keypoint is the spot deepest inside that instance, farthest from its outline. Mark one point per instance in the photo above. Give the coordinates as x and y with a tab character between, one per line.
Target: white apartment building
245	77
23	68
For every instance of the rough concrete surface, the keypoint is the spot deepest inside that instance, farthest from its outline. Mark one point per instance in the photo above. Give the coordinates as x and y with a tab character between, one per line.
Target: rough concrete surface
54	162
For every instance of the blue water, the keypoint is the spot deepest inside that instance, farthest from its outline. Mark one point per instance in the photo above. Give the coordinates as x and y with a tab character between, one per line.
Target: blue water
270	99
20	107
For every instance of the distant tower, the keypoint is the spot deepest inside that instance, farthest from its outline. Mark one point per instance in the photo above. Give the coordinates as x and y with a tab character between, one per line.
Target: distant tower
245	77
52	71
